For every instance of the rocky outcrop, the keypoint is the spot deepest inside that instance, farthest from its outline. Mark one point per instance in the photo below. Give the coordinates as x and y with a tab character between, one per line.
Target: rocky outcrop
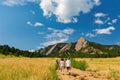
81	46
66	47
51	49
81	43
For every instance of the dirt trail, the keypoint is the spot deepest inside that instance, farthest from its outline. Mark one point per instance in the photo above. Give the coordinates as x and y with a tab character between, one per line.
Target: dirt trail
77	74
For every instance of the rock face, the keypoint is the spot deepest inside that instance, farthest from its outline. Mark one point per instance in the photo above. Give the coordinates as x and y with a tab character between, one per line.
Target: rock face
81	46
81	43
51	49
66	47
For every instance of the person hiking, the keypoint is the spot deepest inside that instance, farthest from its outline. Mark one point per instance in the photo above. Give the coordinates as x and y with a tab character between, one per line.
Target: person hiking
68	65
62	65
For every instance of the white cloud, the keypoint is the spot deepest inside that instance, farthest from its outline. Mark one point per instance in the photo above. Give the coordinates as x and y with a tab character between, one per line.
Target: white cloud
68	31
102	18
98	21
13	2
17	2
31	50
90	35
57	36
109	23
97	2
114	21
98	18
105	31
29	23
67	10
37	24
100	14
55	41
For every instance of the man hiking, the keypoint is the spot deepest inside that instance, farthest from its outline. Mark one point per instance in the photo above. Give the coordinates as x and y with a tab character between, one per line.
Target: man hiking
68	65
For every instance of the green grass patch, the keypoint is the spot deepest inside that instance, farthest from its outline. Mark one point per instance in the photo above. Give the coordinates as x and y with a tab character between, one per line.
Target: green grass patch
54	73
6	56
82	65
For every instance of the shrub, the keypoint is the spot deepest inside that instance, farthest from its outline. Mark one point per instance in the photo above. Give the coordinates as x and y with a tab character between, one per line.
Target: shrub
82	65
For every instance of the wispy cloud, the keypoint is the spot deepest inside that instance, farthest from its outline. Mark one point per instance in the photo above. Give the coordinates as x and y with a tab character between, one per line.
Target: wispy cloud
114	21
98	21
17	2
90	35
67	10
31	50
105	30
57	36
98	17
102	18
97	2
100	14
29	23
68	31
36	24
61	40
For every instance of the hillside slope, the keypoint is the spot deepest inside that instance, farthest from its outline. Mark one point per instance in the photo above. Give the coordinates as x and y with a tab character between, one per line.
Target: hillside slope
80	47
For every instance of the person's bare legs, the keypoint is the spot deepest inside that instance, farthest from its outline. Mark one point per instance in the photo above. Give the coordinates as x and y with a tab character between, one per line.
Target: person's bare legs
62	70
68	70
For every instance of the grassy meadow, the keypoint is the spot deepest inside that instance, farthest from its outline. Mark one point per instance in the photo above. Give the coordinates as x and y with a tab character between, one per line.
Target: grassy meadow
103	63
39	68
108	68
25	68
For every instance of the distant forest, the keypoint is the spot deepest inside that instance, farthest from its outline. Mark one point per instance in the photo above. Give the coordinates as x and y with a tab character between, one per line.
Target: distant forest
7	50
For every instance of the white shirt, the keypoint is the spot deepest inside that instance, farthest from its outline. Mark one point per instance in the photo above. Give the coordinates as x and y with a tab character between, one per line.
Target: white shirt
68	63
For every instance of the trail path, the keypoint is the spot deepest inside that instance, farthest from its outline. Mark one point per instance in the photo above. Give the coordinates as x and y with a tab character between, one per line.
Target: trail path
77	74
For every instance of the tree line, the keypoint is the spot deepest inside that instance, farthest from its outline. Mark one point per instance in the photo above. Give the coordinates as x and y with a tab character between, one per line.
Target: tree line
7	50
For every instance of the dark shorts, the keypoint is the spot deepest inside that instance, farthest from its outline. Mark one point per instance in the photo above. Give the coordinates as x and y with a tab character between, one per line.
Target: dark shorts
68	68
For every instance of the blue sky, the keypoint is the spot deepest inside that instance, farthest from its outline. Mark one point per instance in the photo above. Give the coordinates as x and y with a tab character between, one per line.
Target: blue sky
32	24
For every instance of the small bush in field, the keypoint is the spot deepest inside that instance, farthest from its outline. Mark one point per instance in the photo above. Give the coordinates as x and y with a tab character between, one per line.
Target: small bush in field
82	65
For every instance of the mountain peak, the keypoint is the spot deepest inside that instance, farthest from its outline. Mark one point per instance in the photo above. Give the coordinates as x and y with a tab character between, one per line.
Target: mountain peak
81	43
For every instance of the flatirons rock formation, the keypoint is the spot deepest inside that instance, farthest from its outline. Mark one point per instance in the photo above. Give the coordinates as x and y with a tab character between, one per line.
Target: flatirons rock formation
66	47
81	43
62	47
81	46
51	49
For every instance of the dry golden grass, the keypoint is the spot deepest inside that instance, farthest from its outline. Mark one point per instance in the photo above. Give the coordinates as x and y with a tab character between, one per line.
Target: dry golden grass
103	63
38	68
25	68
108	68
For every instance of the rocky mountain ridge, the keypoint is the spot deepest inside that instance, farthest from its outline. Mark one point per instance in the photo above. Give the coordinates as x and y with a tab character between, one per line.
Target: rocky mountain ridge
81	46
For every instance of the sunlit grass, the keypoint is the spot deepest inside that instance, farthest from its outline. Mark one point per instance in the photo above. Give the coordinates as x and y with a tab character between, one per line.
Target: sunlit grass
107	67
39	68
25	68
103	63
